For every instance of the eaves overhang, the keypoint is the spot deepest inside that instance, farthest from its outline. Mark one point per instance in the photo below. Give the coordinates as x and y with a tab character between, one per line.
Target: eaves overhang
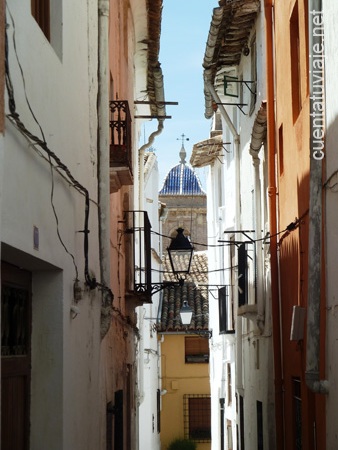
155	85
259	129
205	152
229	32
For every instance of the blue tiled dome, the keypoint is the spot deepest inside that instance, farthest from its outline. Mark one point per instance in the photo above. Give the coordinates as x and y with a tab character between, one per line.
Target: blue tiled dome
181	180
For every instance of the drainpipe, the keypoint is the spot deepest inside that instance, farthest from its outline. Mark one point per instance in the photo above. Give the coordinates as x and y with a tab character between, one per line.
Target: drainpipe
272	193
312	375
239	359
236	137
257	138
142	150
159	94
103	162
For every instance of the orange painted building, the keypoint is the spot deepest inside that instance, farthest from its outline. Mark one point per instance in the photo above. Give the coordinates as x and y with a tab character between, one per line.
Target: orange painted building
300	413
131	71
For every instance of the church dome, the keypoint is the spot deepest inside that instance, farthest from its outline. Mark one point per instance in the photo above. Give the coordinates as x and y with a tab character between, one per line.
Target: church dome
181	179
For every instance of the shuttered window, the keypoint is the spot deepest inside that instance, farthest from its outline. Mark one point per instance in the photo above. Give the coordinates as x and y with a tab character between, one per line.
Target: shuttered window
242	275
226	311
196	349
197	417
41	13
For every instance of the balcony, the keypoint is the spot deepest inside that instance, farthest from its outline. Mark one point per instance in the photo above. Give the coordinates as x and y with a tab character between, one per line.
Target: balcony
120	145
138	263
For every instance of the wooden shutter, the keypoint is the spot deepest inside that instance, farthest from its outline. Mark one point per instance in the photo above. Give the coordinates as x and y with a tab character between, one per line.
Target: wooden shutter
242	275
41	13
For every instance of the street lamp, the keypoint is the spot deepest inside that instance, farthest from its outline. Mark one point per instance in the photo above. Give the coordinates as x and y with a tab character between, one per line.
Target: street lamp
180	253
186	316
186	313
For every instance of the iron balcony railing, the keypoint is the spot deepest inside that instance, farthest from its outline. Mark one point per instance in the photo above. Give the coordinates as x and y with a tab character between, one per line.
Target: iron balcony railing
120	130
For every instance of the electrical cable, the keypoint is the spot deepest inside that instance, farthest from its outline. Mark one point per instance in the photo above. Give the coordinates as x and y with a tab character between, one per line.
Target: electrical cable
14	115
166	272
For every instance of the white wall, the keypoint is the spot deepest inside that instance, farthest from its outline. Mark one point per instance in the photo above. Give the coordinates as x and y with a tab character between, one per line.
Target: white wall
249	352
61	88
149	347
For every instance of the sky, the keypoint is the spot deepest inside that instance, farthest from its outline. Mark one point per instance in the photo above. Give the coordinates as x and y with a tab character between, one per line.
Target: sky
184	33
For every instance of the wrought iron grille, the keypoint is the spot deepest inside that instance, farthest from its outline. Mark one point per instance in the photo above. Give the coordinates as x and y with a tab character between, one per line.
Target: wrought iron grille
197	417
139	226
120	130
226	311
15	322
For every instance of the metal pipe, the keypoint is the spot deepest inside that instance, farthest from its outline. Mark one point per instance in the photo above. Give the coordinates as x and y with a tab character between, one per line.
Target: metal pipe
222	110
159	94
315	263
272	193
103	162
257	139
236	137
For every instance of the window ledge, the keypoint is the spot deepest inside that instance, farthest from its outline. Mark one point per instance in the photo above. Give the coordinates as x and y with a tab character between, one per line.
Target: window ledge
248	311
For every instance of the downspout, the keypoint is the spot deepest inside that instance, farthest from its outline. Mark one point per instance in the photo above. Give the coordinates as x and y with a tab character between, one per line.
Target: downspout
257	138
159	94
315	262
141	206
141	153
236	137
217	100
272	193
103	162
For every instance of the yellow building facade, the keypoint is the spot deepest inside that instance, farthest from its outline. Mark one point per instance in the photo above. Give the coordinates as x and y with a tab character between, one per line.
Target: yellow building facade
185	396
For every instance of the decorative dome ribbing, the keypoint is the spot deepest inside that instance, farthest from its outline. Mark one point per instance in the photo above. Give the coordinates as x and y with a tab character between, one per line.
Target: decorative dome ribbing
181	180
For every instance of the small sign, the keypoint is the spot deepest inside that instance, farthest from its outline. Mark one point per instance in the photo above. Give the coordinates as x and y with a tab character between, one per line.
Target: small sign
36	237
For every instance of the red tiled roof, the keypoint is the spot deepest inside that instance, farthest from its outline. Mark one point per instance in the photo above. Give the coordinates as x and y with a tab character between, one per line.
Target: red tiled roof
196	296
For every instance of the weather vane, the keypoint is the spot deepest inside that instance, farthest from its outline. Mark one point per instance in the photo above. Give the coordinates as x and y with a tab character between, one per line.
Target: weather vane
182	138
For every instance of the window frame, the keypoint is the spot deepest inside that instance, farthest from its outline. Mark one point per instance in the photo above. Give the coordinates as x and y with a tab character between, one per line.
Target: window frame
226	311
194	347
197	419
41	12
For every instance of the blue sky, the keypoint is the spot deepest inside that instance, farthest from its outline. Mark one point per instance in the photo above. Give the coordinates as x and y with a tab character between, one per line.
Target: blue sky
185	28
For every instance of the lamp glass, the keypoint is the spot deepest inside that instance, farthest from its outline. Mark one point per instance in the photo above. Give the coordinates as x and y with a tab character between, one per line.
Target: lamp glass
180	253
186	313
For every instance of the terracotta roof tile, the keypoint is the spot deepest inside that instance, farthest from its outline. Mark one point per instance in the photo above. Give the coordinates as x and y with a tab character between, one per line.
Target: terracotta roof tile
196	296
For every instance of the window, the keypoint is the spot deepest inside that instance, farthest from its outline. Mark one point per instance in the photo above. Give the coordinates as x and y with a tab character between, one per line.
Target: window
242	275
158	410
281	150
221	410
196	349
229	435
48	15
241	422
197	417
41	13
259	407
226	311
295	62
229	381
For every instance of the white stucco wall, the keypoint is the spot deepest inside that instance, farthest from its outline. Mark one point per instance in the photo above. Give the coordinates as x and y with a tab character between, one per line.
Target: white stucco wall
61	88
149	347
249	352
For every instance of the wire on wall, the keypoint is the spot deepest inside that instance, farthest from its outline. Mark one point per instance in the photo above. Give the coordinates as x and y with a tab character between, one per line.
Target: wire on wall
91	282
